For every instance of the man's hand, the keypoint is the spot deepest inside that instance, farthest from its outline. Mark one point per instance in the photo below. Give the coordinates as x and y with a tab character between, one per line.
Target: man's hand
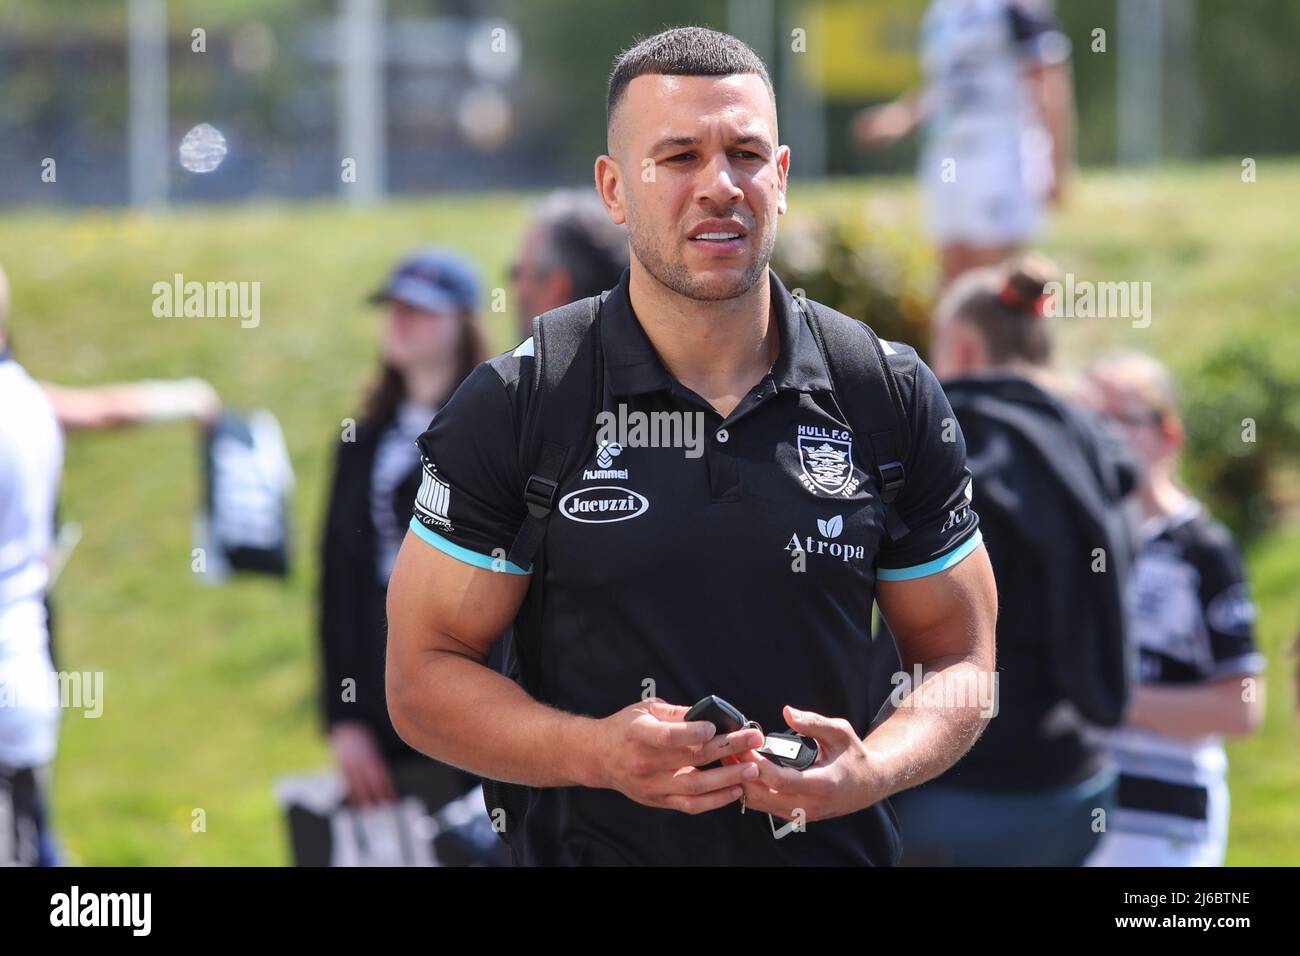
842	780
650	754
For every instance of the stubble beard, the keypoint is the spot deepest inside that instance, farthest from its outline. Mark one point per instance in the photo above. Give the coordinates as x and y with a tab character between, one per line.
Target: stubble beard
671	272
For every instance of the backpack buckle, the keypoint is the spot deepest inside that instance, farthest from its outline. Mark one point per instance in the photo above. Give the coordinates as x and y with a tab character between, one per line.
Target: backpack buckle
892	477
539	493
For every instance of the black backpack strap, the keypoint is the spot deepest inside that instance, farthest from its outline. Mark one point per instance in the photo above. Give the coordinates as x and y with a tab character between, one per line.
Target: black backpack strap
559	427
864	383
566	391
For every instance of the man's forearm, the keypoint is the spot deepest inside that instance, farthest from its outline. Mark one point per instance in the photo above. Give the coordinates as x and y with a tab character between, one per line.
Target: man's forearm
922	731
461	712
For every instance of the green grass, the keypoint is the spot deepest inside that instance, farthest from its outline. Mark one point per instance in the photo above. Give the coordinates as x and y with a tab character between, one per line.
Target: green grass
210	692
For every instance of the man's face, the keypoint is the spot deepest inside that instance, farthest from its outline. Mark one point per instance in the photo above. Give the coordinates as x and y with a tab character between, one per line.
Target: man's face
699	180
537	289
1145	432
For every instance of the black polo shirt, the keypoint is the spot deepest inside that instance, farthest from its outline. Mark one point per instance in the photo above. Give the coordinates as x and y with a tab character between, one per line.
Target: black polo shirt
746	571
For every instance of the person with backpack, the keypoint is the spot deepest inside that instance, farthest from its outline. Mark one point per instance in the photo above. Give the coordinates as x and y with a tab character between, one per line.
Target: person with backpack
1201	677
764	467
1049	485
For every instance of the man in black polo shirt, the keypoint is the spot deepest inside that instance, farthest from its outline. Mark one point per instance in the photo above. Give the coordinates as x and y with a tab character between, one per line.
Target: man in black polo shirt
744	564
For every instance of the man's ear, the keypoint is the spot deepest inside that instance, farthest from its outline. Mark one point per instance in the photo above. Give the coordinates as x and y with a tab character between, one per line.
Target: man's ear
1171	429
783	178
609	178
561	286
971	353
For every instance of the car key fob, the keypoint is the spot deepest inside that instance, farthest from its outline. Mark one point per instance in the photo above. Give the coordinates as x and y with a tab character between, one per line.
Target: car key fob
789	749
726	718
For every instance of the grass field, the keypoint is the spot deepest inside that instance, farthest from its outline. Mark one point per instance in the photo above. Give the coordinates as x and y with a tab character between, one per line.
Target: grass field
210	692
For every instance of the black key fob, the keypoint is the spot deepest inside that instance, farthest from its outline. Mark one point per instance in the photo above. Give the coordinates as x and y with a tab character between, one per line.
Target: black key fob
719	713
789	749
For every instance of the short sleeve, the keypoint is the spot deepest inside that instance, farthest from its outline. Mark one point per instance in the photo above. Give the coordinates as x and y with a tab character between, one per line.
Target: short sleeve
1227	608
935	503
470	501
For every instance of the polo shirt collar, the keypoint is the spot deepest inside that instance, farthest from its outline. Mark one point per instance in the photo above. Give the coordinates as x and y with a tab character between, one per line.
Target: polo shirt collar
633	367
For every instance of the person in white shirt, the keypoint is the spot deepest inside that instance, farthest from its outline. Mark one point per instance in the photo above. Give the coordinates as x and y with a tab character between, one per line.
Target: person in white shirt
33	416
31	462
997	113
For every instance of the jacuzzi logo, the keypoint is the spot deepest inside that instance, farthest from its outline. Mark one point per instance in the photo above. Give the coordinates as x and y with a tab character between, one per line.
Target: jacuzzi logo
603	503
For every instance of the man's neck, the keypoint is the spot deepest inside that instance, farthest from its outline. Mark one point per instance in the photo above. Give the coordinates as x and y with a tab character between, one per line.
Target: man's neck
720	348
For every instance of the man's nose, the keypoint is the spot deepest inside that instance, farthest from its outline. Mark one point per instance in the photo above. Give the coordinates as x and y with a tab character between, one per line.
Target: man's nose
718	183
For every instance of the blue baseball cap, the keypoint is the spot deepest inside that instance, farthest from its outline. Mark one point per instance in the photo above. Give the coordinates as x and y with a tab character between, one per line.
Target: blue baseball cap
435	280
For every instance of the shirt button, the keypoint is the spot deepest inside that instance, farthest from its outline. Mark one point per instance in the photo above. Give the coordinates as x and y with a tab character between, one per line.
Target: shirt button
722	435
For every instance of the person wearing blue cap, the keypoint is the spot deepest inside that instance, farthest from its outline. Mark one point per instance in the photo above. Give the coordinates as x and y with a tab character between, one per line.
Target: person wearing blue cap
430	340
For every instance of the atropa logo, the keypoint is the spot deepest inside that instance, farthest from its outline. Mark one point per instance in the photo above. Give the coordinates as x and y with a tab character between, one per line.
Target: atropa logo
832	528
603	503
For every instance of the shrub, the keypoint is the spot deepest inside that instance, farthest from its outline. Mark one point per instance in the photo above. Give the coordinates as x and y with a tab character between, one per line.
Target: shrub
875	273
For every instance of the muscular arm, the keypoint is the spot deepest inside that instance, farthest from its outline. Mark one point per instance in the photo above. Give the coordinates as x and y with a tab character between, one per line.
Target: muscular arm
443	618
945	623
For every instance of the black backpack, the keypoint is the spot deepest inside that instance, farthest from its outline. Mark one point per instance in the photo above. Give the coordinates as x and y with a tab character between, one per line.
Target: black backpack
559	431
1042	454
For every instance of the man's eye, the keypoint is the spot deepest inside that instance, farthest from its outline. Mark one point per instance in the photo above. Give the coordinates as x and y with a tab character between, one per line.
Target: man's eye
679	156
747	154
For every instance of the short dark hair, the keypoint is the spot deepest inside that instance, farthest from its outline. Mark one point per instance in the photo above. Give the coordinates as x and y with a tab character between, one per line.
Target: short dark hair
683	51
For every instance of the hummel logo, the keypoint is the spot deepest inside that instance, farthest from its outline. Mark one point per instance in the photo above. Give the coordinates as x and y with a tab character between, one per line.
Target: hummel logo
607	453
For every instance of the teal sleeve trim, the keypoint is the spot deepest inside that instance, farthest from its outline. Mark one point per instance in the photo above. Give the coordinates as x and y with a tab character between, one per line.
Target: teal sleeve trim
931	567
465	554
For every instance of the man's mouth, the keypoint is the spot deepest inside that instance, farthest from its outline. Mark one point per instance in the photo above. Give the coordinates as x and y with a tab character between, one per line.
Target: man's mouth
719	235
716	237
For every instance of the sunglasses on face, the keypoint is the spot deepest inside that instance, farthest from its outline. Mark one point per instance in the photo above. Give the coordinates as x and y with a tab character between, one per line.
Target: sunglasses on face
1147	420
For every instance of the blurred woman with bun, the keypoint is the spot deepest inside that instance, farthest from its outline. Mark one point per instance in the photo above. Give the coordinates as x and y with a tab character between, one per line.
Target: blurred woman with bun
1191	617
1049	479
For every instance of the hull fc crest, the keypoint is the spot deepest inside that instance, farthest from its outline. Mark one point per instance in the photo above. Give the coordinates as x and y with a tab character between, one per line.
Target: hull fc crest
826	461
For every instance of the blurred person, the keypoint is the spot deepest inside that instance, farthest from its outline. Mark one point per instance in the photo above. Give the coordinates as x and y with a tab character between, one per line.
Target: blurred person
571	251
33	416
1048	480
430	342
997	109
31	465
1201	678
